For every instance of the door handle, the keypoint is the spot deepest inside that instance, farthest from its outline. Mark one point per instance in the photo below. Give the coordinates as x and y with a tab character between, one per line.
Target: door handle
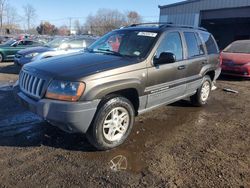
181	67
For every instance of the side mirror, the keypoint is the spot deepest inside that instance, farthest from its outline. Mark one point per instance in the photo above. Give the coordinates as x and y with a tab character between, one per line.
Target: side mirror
165	58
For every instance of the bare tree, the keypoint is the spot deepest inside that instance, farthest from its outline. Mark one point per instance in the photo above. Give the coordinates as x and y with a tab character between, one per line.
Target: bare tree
133	17
104	21
29	14
2	9
12	17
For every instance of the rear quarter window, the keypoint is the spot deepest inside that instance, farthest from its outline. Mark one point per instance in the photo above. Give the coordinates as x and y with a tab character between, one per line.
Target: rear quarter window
210	43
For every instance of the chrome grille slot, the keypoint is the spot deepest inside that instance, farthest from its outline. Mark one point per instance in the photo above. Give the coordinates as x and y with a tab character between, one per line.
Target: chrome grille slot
31	85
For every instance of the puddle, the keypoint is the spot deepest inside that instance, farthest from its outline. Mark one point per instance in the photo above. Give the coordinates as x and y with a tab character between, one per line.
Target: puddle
26	129
6	86
150	129
17	124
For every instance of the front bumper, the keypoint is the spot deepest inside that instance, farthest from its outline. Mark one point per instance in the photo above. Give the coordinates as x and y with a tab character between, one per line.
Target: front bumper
68	116
240	71
22	61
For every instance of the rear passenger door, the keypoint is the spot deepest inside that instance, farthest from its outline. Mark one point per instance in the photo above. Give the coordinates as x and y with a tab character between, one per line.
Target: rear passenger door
196	59
166	82
212	49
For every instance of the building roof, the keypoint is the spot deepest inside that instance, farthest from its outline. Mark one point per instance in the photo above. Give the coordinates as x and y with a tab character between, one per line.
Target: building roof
179	3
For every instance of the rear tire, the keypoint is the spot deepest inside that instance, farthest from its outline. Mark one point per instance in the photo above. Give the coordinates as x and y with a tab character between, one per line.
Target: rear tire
112	124
202	95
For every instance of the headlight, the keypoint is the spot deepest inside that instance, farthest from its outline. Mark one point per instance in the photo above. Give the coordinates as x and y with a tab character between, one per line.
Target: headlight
31	55
66	91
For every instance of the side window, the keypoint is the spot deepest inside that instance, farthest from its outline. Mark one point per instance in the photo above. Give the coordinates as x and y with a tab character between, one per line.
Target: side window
36	43
25	43
76	43
200	45
171	43
21	43
28	42
89	41
193	46
210	43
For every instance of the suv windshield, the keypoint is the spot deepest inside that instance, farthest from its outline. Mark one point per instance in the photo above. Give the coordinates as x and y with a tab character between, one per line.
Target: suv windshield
55	43
238	47
125	43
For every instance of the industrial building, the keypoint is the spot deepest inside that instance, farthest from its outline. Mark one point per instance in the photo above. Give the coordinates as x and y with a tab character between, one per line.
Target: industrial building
227	20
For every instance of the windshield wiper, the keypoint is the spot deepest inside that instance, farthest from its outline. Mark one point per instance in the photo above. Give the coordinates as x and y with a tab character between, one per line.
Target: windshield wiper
107	51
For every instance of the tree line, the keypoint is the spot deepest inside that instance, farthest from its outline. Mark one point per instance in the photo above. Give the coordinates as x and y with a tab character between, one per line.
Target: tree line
102	22
10	20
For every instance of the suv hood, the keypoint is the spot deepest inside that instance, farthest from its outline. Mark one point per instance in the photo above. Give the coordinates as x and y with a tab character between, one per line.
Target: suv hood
78	65
38	49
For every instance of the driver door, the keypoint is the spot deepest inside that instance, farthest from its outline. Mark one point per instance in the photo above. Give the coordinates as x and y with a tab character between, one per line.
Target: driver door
13	49
166	82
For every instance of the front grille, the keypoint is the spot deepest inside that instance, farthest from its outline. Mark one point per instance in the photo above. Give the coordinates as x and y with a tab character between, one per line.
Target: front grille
31	85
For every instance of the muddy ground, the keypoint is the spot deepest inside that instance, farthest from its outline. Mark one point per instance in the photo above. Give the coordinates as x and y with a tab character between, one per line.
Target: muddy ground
174	146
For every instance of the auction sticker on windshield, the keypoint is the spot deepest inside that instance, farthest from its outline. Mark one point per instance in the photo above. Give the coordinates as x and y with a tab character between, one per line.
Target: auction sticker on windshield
147	34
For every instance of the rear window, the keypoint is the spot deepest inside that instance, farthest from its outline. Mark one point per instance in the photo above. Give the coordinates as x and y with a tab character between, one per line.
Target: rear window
210	43
193	46
238	47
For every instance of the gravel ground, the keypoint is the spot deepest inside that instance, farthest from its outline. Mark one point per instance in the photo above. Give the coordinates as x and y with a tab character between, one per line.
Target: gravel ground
174	146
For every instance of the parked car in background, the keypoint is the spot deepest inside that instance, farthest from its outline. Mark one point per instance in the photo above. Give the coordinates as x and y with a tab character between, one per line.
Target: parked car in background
58	46
26	55
67	47
11	47
236	59
5	38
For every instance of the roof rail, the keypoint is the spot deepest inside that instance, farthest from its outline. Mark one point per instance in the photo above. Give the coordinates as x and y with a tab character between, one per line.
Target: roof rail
167	24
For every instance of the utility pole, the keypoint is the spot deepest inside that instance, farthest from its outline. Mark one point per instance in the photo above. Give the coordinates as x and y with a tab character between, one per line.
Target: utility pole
1	12
70	20
42	26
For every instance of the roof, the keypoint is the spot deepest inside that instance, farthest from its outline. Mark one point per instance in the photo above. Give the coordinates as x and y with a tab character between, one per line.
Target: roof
179	3
159	26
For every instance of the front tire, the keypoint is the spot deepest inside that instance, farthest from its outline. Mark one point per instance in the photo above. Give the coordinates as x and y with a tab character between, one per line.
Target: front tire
112	123
202	95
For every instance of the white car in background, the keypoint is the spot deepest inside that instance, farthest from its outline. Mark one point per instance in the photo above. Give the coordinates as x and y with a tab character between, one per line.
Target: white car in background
67	47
